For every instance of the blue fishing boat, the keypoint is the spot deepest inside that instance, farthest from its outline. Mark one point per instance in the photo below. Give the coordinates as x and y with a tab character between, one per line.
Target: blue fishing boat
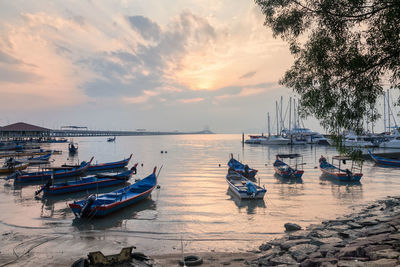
353	174
111	139
107	203
105	166
239	167
72	148
86	183
384	161
37	159
283	169
242	187
56	172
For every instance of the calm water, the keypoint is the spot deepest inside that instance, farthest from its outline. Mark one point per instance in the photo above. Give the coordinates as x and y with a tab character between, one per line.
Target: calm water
193	203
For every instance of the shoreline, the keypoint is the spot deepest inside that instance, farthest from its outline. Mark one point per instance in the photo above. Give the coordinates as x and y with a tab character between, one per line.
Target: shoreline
368	237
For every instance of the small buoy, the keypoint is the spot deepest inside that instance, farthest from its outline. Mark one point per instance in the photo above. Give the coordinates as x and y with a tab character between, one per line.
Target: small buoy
266	164
162	151
166	152
158	186
219	165
142	164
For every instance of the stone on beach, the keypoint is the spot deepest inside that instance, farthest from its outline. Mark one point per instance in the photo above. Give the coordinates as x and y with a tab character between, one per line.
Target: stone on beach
368	238
292	227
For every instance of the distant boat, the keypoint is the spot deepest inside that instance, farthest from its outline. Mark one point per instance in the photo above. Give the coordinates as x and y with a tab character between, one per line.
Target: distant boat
56	172
242	187
353	174
239	167
275	140
43	159
86	183
73	147
352	140
11	166
384	161
107	203
111	139
255	139
286	171
309	136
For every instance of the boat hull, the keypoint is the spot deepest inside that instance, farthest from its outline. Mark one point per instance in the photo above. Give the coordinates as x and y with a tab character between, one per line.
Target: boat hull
384	161
341	176
17	167
241	191
285	174
81	187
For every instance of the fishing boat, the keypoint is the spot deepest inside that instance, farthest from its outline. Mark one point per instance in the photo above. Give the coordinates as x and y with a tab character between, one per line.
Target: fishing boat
25	153
12	166
285	170
384	161
56	172
242	187
239	167
86	183
72	147
105	166
107	203
43	159
111	139
353	174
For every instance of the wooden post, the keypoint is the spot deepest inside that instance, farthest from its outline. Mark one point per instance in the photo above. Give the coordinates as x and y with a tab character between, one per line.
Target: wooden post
242	138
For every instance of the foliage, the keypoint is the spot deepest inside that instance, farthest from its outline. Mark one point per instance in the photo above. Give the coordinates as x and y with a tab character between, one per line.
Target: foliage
345	52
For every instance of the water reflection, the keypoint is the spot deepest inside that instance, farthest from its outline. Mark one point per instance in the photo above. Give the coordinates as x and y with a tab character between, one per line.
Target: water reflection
249	204
342	189
283	180
116	219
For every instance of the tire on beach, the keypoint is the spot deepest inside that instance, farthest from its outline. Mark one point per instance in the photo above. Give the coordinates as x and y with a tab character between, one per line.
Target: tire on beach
191	260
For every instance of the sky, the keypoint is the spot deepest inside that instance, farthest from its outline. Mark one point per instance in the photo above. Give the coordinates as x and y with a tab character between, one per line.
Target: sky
126	65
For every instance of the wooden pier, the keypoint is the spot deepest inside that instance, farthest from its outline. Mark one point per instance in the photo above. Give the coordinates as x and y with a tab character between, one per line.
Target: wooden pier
88	133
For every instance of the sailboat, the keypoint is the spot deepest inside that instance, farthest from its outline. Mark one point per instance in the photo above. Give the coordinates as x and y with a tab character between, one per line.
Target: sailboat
274	139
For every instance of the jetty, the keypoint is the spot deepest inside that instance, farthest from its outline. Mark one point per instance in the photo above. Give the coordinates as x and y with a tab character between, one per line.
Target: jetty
24	130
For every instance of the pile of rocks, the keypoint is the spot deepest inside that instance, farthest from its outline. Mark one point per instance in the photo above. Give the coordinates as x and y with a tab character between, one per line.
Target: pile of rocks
368	238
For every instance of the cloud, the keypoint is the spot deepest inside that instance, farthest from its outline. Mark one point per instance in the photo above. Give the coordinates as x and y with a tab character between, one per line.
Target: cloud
147	28
191	100
248	75
16	76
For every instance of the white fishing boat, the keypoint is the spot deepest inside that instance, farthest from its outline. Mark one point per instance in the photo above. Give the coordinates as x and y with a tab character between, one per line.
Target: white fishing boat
244	188
392	140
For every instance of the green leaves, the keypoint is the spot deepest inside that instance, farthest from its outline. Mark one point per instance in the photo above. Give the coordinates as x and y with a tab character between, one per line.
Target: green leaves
344	50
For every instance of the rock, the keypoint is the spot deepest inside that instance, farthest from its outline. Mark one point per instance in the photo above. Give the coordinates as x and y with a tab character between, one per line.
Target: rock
328	240
324	233
284	259
352	251
278	241
265	247
301	234
338	228
368	222
300	252
354	225
290	243
292	227
318	262
382	263
385	253
351	263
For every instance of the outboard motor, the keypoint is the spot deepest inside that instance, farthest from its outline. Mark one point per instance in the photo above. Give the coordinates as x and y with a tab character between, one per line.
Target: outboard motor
88	204
46	186
13	176
251	189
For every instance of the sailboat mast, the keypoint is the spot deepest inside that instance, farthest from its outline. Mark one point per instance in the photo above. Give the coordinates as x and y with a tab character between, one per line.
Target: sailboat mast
384	111
269	130
290	115
281	120
277	121
388	109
